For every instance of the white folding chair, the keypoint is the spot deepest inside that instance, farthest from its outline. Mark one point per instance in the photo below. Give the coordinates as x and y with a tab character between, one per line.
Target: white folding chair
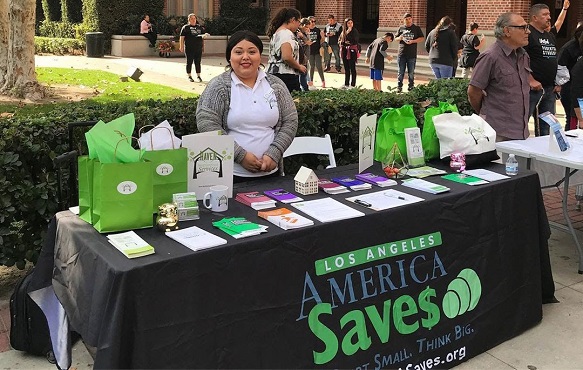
311	145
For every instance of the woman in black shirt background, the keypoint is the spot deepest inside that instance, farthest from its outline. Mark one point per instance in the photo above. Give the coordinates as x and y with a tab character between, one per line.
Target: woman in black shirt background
349	51
191	41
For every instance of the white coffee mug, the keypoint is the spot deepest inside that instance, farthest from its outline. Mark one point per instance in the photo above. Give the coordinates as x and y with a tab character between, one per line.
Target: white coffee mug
217	197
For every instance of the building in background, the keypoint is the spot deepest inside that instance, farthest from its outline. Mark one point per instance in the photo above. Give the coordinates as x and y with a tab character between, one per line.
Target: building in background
375	17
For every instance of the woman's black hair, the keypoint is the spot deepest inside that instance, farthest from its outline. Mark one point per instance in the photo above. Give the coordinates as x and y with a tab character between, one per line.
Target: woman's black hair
284	15
239	36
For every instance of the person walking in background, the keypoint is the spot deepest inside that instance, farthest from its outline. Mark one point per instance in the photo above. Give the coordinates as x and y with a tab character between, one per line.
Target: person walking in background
304	42
542	51
375	57
348	40
471	44
252	107
577	85
408	35
568	56
442	45
317	37
191	43
284	50
147	31
499	87
457	55
332	32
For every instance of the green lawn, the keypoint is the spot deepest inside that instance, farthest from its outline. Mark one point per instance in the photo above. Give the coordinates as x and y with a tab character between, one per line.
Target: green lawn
107	85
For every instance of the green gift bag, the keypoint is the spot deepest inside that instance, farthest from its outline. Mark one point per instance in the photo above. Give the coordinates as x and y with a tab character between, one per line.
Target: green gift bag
391	129
429	138
169	174
122	196
85	186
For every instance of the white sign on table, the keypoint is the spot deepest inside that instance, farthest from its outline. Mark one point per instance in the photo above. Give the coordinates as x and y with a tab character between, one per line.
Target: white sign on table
366	140
210	162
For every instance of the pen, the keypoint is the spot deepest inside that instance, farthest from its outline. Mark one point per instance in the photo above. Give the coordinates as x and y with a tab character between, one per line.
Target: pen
394	196
362	203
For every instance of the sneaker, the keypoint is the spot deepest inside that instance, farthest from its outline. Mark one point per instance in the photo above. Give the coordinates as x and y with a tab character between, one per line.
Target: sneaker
399	89
410	88
345	87
323	84
199	79
327	69
190	79
339	70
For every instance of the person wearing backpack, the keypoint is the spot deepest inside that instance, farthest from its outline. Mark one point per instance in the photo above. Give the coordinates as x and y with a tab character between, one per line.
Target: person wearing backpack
471	44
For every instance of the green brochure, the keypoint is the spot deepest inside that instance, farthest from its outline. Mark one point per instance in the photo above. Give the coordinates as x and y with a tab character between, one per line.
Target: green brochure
464	179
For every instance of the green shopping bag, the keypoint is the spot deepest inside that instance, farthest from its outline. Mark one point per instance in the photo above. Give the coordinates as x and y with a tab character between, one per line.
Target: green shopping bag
122	196
169	174
85	187
391	129
429	138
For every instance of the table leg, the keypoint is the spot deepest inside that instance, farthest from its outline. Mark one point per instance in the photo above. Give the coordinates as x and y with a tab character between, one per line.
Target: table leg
568	219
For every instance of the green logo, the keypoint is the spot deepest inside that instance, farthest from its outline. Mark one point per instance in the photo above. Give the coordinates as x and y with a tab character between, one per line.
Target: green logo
463	294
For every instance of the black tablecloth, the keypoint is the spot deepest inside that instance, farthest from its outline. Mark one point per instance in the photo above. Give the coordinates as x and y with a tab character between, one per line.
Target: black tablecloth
259	302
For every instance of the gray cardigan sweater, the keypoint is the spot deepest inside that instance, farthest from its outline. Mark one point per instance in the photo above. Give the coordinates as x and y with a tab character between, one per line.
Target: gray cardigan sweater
213	108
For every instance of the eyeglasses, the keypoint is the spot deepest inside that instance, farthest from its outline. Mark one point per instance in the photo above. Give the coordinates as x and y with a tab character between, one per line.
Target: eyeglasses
524	27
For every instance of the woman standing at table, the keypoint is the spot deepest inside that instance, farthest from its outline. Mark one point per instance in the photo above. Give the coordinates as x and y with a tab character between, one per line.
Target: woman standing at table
191	42
284	50
253	107
348	41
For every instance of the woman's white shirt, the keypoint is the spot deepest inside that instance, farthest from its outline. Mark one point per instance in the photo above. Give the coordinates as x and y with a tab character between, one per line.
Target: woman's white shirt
275	63
253	114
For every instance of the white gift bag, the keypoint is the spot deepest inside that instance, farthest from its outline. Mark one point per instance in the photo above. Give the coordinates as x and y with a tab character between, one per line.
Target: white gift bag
465	134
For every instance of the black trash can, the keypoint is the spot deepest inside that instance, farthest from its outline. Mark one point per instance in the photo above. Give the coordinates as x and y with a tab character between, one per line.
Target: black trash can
94	44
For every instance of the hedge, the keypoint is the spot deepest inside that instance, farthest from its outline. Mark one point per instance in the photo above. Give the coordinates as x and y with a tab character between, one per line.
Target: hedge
28	146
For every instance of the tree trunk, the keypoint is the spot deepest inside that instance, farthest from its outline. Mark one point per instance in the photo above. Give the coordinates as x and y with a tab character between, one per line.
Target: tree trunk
20	77
4	24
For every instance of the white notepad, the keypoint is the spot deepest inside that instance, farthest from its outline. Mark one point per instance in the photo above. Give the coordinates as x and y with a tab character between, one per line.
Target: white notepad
195	238
327	210
486	174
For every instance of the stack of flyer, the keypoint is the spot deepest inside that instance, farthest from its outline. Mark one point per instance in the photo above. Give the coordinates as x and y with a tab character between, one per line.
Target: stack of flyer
239	227
352	183
255	200
331	187
286	219
375	180
282	195
187	206
424	185
130	244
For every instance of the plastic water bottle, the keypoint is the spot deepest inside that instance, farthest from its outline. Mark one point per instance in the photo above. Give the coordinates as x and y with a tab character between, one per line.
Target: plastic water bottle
511	165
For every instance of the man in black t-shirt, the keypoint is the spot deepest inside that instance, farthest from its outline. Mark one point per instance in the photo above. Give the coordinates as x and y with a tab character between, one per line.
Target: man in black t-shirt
542	51
331	32
408	36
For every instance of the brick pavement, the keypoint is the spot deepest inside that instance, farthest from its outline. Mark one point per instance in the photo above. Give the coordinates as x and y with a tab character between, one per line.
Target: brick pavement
553	199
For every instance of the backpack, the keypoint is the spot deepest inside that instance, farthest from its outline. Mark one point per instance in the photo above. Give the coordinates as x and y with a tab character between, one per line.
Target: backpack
29	330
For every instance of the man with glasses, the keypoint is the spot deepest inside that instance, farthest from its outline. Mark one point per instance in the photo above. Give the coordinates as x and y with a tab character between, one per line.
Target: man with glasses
499	87
542	51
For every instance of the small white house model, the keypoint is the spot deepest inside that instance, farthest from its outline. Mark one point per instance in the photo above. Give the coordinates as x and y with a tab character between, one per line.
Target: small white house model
306	181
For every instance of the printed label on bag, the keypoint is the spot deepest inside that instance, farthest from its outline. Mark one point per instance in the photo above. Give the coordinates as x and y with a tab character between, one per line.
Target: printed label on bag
164	169
127	187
